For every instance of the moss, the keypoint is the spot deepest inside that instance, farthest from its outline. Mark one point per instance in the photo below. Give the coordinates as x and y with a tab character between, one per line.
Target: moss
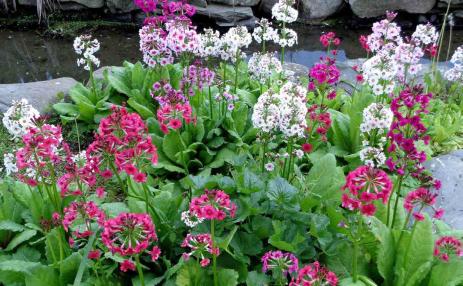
70	29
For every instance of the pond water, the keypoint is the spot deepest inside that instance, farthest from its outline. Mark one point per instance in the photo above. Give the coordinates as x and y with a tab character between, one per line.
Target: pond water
27	56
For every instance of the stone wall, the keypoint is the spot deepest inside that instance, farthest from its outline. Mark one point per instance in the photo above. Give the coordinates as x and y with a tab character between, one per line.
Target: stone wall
234	12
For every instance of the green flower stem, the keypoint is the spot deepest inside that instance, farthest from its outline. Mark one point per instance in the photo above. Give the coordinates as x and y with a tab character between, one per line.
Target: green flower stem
211	112
396	204
140	270
355	261
214	257
147	202
264	150
236	76
119	179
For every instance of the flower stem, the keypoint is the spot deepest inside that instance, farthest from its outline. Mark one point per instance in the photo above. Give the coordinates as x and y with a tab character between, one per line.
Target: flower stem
264	150
355	262
395	191
140	270
214	257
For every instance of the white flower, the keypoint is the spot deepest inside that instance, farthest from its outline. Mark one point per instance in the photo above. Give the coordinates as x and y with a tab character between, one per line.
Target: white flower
266	113
373	157
269	167
379	72
262	66
299	153
425	34
9	161
191	220
19	118
85	46
264	32
80	159
456	72
181	38
287	38
376	116
284	12
209	43
232	43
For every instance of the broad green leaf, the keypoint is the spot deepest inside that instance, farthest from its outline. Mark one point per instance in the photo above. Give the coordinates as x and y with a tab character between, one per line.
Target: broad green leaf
114	209
42	276
66	109
172	145
325	179
141	109
448	274
10	226
68	268
227	277
20	238
20	266
257	279
281	192
385	254
117	81
191	274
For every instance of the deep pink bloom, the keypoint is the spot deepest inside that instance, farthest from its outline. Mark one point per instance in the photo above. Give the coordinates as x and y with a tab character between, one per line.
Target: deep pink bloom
329	38
315	274
447	246
127	265
363	186
416	201
323	73
155	253
129	233
278	261
307	147
213	204
94	254
201	246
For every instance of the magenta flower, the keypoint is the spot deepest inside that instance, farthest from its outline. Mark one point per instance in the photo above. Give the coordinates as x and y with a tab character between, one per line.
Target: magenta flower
214	204
363	186
278	261
447	246
201	247
314	274
417	200
129	234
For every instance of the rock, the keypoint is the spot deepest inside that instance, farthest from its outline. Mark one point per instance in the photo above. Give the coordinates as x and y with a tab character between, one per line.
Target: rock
94	4
226	15
319	9
121	6
449	170
370	8
266	6
453	3
247	3
41	94
27	2
297	70
99	73
248	23
199	3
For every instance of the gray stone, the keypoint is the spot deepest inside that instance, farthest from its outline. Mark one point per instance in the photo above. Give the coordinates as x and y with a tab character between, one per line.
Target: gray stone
99	73
249	23
226	15
27	2
41	94
247	3
454	2
449	170
266	6
121	6
94	4
199	3
297	70
319	9
374	8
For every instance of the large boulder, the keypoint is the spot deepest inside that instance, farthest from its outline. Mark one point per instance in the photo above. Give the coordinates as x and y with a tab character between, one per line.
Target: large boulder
248	3
121	6
449	170
226	15
318	9
374	8
94	4
41	94
266	6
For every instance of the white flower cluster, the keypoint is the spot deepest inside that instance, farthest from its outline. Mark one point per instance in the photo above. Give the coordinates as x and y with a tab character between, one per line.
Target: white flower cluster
85	46
377	119
408	58
19	117
154	47
288	37
285	111
264	32
456	72
376	116
190	220
425	35
284	12
379	72
9	161
181	38
209	43
262	66
384	32
80	159
232	43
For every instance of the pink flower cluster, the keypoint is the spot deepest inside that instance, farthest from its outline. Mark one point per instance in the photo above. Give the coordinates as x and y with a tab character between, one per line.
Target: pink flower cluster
329	39
122	140
165	94
154	47
212	205
363	186
407	129
130	234
320	121
417	200
174	116
196	76
324	73
278	261
43	149
314	274
82	214
201	246
447	246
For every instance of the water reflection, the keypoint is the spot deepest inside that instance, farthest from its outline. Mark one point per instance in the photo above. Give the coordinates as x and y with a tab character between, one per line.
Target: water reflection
27	56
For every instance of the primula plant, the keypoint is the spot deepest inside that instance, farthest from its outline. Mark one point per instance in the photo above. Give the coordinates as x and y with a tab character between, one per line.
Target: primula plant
203	168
